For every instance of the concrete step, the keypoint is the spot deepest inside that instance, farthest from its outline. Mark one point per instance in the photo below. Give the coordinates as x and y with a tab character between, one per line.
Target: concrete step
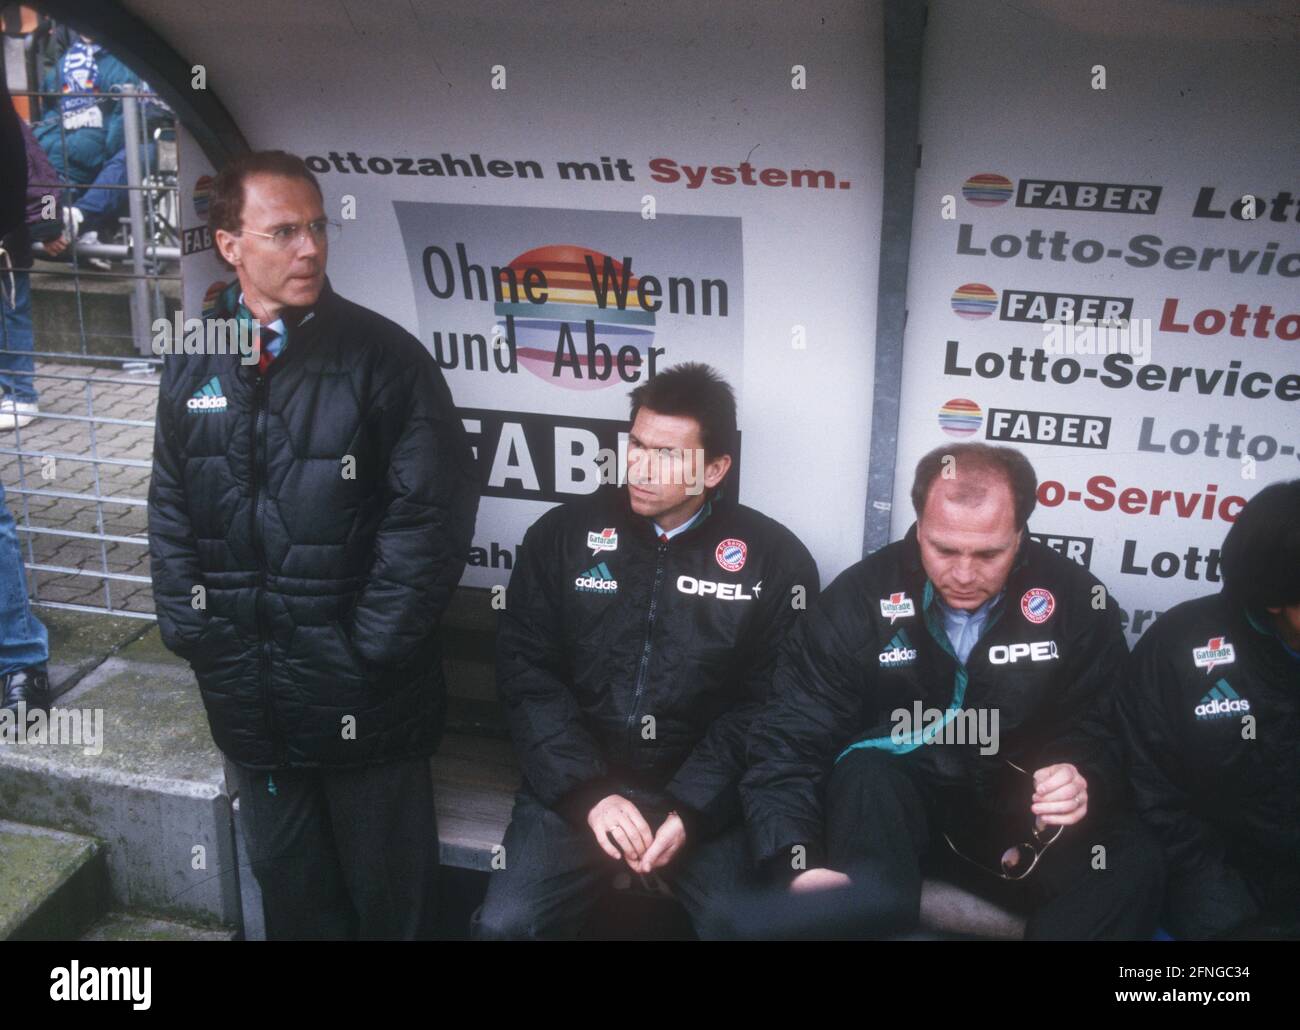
79	642
145	779
52	884
89	314
143	926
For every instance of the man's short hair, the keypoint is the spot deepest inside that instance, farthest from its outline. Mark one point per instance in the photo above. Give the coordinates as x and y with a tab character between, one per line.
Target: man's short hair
973	463
1260	559
226	206
698	391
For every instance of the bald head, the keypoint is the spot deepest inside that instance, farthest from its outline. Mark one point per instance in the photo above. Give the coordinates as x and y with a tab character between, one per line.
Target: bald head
968	533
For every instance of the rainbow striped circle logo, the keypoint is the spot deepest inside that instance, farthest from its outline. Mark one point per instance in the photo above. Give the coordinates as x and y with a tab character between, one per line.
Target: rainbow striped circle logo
202	194
988	189
571	302
960	417
210	298
974	301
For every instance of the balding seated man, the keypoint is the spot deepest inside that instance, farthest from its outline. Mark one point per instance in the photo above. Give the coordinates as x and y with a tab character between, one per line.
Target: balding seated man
944	704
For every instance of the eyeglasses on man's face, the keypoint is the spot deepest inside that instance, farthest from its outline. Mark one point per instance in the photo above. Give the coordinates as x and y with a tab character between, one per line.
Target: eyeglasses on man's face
286	236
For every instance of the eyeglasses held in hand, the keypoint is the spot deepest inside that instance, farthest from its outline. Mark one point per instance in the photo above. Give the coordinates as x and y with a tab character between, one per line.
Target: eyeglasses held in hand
1020	860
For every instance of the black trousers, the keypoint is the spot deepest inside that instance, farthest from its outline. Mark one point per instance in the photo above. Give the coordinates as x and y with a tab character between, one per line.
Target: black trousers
555	873
343	853
884	820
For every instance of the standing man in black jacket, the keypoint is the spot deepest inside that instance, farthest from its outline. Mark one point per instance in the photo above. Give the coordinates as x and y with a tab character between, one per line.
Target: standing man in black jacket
638	639
310	513
1211	719
873	752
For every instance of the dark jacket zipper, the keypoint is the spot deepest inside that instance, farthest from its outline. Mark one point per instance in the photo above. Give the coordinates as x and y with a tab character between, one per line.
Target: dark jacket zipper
261	392
661	552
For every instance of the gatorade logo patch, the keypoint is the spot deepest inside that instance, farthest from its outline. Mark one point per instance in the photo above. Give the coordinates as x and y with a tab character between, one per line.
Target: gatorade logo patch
1216	652
897	606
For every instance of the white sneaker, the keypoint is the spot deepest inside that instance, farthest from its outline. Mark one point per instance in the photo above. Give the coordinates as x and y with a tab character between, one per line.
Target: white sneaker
17	414
72	218
92	237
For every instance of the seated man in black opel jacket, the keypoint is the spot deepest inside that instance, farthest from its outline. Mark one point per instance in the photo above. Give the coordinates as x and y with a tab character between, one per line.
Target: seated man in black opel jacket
1211	719
872	755
637	641
310	514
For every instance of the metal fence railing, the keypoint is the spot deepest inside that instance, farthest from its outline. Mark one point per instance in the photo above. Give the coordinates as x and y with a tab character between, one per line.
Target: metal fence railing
77	475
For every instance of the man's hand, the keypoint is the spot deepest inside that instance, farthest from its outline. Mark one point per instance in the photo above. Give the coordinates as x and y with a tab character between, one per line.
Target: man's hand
56	247
1060	796
620	830
818	880
668	841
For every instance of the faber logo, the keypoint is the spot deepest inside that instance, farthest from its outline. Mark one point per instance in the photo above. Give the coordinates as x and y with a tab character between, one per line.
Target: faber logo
1217	652
207	397
897	606
605	540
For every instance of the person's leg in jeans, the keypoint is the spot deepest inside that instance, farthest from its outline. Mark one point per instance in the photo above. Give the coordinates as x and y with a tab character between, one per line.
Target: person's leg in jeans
550	881
24	643
290	841
386	838
100	206
16	340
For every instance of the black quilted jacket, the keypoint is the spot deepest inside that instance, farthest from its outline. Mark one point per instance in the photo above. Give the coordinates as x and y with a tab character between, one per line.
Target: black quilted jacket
324	579
631	666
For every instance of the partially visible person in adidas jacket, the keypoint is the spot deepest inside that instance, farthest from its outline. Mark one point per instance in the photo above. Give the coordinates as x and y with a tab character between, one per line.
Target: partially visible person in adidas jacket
1211	721
637	641
310	514
970	620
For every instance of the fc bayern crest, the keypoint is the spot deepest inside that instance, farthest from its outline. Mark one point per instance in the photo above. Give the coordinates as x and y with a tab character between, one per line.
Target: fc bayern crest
1037	605
731	554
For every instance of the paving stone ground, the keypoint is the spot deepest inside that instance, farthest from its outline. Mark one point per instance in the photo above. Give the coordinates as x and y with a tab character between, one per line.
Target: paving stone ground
38	482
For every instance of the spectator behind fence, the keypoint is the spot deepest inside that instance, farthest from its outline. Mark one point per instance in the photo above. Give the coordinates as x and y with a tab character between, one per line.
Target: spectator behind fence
44	225
24	644
85	136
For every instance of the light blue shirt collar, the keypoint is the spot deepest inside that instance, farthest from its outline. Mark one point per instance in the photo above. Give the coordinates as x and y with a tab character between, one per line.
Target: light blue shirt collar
964	628
276	327
659	531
